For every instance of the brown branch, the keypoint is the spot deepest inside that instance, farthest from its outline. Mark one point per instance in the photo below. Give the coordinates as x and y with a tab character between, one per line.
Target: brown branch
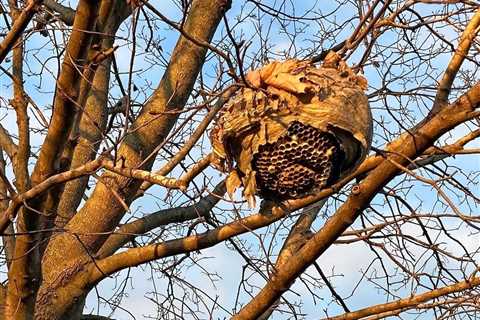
8	242
199	131
410	302
24	267
194	171
466	41
93	119
91	167
299	234
409	145
145	175
129	231
197	41
136	256
149	130
18	27
7	144
20	104
435	154
42	187
64	13
66	92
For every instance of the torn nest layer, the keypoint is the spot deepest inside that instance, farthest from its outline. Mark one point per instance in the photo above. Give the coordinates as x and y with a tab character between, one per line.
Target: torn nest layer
296	130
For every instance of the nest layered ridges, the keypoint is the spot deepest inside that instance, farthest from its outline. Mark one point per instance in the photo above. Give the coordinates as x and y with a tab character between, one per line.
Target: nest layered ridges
330	98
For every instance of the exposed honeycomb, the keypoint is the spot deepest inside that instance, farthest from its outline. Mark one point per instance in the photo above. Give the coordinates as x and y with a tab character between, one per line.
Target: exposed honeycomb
303	159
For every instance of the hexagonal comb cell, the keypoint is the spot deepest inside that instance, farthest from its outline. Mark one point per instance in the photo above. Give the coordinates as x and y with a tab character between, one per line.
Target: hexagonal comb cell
303	159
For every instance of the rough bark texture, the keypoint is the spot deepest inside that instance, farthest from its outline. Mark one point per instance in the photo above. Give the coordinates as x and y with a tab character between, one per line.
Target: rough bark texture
65	258
94	116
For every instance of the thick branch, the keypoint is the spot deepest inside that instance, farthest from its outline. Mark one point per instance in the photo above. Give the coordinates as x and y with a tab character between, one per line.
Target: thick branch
136	256
129	231
151	127
299	234
410	302
409	145
18	27
66	14
461	52
93	121
66	91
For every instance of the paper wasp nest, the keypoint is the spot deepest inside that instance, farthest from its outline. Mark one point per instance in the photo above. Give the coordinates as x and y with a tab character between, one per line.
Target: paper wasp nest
299	129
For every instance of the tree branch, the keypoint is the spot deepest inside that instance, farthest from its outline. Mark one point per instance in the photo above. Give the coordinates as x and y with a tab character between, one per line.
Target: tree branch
409	145
18	27
66	14
8	242
152	125
199	131
10	213
136	256
94	116
66	92
130	231
7	144
410	302
91	167
461	52
299	234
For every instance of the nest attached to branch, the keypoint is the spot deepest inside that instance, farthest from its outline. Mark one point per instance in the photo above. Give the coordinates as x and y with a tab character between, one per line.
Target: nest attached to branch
296	130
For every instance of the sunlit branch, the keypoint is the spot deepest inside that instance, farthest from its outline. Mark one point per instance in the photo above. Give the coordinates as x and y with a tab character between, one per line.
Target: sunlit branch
410	302
18	27
464	45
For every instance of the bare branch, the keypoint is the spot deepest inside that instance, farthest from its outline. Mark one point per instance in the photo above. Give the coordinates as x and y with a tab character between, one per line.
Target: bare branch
18	27
410	302
464	45
129	231
7	144
410	145
66	14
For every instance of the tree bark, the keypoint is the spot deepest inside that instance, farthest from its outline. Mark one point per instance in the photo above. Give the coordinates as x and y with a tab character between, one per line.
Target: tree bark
64	264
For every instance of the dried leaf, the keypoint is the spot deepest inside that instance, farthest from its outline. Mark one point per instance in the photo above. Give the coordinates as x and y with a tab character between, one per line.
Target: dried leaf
250	189
232	183
254	78
281	76
331	60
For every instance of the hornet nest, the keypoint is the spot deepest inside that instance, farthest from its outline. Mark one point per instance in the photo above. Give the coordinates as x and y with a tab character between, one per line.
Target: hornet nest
297	129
